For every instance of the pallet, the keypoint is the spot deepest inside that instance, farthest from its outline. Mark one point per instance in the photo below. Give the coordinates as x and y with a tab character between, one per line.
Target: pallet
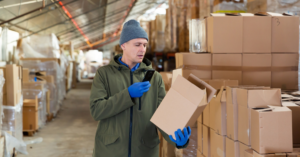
29	132
49	117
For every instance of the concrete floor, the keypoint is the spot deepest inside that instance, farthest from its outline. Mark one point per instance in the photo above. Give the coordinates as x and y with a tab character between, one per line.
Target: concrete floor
71	133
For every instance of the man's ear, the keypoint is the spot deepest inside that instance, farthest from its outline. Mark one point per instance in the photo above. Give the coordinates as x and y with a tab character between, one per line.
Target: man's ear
123	46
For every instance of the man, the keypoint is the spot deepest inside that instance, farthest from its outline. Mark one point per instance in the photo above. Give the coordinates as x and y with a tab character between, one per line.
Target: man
124	105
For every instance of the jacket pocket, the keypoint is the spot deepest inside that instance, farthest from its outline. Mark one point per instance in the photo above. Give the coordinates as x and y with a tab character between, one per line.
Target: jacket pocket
151	143
108	139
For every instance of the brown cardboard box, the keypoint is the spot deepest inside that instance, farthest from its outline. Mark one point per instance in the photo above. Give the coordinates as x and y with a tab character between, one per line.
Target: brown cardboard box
232	111
200	118
218	144
218	112
252	153
217	84
30	114
255	6
285	33
295	153
192	63
206	115
271	130
285	71
227	66
199	154
257	69
12	89
25	75
242	149
188	98
295	120
256	33
168	150
224	33
206	141
232	148
200	137
167	78
253	98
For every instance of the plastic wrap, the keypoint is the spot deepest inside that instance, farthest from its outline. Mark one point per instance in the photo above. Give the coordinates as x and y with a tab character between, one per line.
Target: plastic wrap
230	7
29	93
10	143
13	120
2	81
198	35
40	46
51	68
191	149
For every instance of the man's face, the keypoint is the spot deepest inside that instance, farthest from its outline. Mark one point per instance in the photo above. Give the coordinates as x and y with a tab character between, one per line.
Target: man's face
135	49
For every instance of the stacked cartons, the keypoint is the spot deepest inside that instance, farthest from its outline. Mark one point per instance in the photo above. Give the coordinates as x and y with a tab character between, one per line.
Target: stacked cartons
30	115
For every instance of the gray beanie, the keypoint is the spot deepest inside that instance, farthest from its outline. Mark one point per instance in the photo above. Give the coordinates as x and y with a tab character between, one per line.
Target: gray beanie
132	30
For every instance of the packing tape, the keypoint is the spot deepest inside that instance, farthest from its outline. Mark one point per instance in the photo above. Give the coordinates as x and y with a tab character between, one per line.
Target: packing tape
289	68
227	68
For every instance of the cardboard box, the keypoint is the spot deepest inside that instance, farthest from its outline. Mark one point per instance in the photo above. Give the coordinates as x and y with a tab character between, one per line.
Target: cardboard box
218	144
255	6
242	149
167	78
25	75
285	71
218	112
217	84
227	66
232	148
295	153
192	63
12	89
253	98
285	33
200	137
188	98
271	130
41	59
295	120
168	149
206	115
30	114
199	154
257	69
224	33
206	141
252	153
256	33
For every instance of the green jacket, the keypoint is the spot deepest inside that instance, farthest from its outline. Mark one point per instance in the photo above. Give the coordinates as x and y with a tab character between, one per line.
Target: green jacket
124	128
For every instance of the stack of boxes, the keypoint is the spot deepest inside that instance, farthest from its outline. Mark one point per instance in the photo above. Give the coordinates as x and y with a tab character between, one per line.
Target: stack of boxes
257	49
247	118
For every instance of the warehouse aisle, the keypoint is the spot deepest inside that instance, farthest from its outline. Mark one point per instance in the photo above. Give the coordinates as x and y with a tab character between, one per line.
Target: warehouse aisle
71	133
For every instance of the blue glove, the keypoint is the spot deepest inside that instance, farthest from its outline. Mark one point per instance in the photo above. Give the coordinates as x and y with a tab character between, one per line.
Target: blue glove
181	139
137	90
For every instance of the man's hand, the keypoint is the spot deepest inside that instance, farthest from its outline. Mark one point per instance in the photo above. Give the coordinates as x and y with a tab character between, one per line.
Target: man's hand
181	139
137	90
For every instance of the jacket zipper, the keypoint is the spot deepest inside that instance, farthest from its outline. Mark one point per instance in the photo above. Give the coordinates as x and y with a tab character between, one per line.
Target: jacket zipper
130	127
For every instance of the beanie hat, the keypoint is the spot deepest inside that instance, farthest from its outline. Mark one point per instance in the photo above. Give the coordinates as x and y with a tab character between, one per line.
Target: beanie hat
132	30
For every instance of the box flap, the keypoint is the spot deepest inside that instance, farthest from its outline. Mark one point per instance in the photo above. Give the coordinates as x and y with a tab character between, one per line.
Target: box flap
223	99
175	73
217	14
247	14
289	104
210	91
258	98
190	91
274	14
232	14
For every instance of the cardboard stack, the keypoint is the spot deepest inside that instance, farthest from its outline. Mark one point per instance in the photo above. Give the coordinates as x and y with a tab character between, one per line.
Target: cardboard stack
30	115
255	49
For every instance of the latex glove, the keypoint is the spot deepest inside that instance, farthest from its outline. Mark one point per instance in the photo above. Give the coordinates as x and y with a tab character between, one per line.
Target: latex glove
181	139
137	90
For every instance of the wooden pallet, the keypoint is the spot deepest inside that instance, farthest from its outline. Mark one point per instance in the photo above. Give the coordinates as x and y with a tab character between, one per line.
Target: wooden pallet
49	117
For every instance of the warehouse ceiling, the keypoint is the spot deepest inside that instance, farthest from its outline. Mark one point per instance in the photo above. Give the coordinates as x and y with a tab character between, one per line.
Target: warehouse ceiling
87	23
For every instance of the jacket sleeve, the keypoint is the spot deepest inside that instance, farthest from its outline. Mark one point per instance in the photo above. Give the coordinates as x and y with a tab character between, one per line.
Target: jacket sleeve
161	95
102	105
